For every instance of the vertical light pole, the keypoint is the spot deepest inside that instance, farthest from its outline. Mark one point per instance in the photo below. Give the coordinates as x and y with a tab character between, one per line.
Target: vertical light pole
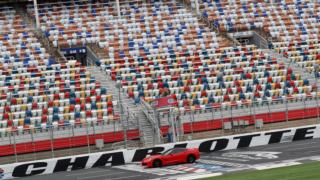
36	13
197	7
118	9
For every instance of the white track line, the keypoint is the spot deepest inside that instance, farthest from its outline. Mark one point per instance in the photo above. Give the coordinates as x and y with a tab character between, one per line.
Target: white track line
102	175
84	173
200	176
278	165
124	177
289	145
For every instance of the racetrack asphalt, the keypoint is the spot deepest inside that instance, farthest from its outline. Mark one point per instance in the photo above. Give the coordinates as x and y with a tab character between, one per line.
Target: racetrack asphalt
256	158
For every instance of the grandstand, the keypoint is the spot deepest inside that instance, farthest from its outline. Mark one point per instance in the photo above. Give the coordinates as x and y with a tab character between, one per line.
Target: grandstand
90	70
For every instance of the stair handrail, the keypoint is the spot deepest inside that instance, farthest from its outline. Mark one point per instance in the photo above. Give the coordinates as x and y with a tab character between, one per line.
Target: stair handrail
149	112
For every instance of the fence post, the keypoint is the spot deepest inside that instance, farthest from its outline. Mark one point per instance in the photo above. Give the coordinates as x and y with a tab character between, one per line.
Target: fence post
15	146
72	137
254	113
140	129
231	107
250	109
212	113
93	128
174	126
51	141
316	79
124	128
128	117
191	124
287	111
305	108
222	120
88	140
32	141
269	109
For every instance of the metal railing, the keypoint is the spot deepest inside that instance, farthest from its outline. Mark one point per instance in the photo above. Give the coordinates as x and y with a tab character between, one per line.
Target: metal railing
151	115
275	114
37	143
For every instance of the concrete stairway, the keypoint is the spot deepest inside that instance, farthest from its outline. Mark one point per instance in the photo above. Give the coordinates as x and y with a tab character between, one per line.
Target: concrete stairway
295	67
146	130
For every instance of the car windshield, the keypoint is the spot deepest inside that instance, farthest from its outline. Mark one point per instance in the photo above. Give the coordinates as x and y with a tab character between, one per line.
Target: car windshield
173	151
167	152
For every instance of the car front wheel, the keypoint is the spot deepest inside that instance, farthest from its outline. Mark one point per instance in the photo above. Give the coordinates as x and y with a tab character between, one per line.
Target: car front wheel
157	163
191	159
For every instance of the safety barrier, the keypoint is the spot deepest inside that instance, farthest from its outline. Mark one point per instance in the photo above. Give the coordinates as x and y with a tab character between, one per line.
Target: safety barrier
69	142
123	156
77	141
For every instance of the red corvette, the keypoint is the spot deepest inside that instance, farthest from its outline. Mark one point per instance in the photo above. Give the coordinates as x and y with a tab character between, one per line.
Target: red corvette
172	156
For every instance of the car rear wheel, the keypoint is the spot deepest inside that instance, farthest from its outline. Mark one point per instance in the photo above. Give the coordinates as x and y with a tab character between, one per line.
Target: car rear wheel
157	163
191	159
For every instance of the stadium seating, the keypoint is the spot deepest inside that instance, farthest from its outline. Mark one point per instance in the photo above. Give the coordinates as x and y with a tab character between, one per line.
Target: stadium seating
98	23
159	48
191	73
291	25
37	93
156	49
18	45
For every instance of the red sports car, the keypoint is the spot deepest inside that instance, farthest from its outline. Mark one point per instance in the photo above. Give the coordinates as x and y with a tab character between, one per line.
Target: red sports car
172	156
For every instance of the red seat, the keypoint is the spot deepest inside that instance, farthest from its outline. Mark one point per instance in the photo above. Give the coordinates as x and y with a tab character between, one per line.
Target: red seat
88	99
109	104
56	97
67	95
110	110
6	116
7	108
71	108
98	98
88	114
44	118
92	92
82	107
34	105
50	103
77	100
13	101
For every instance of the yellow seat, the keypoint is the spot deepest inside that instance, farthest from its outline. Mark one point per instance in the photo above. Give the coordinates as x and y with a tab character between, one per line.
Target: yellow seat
21	122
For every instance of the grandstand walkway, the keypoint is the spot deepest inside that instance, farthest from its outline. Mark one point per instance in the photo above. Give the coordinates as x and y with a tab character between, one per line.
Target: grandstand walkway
30	22
128	106
226	40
